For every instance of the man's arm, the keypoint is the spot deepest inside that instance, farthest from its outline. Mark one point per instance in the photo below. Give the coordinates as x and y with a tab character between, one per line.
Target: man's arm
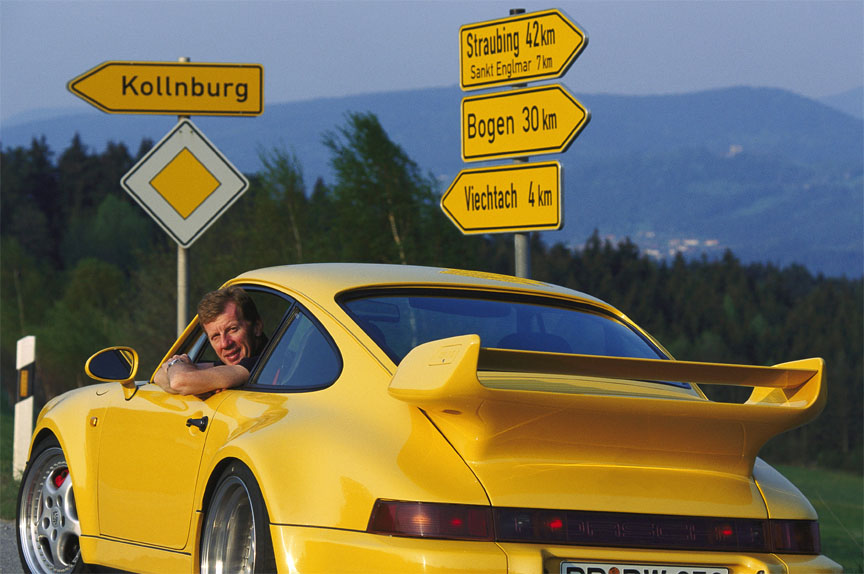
180	376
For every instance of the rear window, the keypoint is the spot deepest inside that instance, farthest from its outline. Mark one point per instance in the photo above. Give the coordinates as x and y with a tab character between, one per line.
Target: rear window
399	321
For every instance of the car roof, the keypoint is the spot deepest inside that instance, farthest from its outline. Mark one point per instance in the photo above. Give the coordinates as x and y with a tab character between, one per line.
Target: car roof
330	279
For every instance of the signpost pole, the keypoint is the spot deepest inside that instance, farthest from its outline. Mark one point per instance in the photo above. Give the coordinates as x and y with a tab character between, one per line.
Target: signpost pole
182	288
515	124
521	240
182	269
522	248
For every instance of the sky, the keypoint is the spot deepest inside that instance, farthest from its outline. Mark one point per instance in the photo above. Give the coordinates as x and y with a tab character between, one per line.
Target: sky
315	49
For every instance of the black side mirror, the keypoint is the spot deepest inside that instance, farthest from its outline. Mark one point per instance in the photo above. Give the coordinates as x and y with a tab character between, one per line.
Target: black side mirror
115	364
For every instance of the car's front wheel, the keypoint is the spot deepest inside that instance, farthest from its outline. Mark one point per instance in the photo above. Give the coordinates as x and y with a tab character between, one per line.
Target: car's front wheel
236	531
48	528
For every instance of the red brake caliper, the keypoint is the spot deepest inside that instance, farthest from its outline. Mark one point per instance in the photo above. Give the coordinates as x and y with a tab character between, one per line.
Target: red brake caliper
60	477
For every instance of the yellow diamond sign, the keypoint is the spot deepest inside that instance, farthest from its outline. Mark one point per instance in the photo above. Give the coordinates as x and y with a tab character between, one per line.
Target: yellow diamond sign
185	183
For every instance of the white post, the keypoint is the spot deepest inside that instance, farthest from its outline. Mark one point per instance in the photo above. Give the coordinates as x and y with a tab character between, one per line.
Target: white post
25	363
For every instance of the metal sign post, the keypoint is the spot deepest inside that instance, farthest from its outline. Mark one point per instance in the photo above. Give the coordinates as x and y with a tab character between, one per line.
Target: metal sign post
516	124
184	182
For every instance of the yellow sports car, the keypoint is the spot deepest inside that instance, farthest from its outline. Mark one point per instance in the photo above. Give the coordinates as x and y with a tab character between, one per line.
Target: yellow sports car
405	419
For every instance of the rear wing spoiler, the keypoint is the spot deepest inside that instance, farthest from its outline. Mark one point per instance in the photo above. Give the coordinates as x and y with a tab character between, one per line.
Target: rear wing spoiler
441	377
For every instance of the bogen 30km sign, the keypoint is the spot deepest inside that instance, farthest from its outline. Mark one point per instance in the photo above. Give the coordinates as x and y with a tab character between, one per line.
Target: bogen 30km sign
185	183
520	123
173	88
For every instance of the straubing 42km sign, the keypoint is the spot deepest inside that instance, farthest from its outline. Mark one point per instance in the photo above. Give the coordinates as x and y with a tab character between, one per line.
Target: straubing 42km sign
522	48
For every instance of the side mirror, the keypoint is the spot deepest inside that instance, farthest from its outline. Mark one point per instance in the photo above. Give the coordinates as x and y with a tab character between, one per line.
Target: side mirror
115	364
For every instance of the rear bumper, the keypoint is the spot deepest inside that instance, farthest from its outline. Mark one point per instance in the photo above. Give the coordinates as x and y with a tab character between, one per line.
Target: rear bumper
331	551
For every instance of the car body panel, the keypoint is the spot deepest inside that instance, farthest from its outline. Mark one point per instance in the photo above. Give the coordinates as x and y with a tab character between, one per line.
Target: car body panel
783	499
151	426
601	452
322	458
325	551
73	419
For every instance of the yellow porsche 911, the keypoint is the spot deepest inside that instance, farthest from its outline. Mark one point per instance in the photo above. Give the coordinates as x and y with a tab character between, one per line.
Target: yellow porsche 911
405	419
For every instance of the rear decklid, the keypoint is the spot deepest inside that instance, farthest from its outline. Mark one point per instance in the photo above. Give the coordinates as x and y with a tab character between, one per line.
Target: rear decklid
548	430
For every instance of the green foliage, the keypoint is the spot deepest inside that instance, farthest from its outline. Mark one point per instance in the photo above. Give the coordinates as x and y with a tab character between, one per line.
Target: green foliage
723	311
384	210
93	270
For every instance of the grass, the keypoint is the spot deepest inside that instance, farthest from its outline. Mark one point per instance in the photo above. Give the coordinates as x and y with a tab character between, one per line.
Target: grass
8	486
839	499
837	496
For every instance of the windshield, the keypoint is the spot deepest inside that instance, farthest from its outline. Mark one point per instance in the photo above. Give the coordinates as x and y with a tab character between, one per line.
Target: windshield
399	321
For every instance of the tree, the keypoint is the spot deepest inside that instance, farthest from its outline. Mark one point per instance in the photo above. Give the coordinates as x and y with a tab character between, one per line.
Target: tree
283	187
379	194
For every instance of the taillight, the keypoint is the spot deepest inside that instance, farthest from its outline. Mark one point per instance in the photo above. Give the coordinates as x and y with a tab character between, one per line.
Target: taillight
616	529
795	536
428	520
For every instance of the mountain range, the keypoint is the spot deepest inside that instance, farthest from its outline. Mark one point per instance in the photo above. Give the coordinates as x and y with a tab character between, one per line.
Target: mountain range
773	176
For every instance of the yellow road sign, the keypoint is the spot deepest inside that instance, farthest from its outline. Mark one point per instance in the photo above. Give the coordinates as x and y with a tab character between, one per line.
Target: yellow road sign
518	49
184	183
174	88
506	199
520	123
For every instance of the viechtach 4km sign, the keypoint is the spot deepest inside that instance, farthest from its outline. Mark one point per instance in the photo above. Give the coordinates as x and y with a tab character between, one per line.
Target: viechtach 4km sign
521	48
506	199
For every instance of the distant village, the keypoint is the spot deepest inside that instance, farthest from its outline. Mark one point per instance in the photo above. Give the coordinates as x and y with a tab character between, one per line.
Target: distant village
660	247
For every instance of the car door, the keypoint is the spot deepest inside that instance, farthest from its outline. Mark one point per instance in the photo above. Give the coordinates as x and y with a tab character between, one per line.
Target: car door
148	465
152	445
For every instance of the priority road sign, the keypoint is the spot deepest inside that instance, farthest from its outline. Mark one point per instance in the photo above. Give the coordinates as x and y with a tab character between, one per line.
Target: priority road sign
520	123
508	199
185	183
522	48
173	88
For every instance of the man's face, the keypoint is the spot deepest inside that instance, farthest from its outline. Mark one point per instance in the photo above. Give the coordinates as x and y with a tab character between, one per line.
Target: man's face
231	336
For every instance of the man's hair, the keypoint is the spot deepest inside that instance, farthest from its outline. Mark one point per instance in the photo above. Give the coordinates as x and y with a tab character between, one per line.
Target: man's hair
213	304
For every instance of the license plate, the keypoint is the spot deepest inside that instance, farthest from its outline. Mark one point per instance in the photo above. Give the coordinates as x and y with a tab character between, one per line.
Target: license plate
586	568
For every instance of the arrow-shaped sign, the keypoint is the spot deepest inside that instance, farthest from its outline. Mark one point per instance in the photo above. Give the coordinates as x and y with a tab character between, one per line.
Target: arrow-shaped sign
522	197
176	88
520	123
518	49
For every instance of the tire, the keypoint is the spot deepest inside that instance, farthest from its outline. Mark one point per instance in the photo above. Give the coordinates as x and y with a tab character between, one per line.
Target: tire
47	519
235	536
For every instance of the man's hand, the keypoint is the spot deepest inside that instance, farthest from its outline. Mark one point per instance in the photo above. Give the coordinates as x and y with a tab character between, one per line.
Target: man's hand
163	375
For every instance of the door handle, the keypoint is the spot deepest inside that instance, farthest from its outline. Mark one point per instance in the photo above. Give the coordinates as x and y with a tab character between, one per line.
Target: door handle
200	423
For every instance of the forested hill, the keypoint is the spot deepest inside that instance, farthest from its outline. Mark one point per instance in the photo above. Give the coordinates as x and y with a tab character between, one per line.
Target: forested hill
771	175
93	270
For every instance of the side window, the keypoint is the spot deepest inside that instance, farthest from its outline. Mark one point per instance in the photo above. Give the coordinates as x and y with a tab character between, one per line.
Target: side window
272	308
303	359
